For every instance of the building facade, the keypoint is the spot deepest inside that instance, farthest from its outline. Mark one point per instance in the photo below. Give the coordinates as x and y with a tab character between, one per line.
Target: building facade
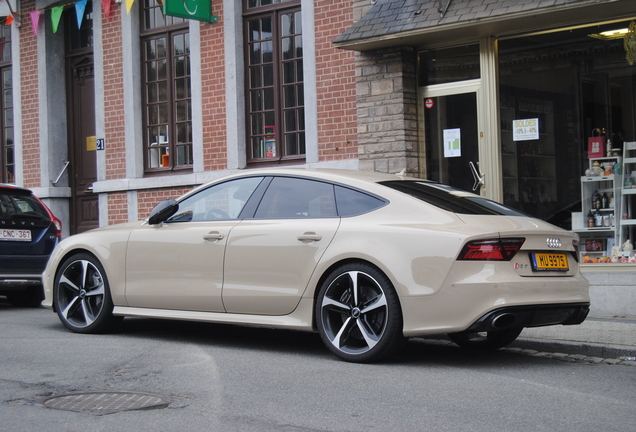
117	106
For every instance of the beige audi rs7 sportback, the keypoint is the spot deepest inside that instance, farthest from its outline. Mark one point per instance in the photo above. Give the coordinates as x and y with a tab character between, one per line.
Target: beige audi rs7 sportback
365	259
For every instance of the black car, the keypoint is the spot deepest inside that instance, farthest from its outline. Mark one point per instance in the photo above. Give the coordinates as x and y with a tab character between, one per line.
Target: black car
28	234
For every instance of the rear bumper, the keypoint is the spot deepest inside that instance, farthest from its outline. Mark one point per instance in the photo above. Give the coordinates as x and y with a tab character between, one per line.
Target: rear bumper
531	316
18	282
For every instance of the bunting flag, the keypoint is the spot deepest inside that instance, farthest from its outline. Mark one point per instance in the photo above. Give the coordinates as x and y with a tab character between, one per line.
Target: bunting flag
106	4
56	14
80	7
129	4
35	21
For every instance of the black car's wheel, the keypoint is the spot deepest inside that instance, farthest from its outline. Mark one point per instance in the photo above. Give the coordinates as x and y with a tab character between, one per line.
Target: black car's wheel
31	297
485	340
82	296
358	314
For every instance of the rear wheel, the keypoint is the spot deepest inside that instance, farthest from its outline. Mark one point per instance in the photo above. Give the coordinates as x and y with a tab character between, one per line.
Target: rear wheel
485	340
82	295
358	314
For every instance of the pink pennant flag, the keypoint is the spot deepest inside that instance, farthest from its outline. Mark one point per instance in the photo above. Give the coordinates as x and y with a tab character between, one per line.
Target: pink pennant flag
106	4
35	21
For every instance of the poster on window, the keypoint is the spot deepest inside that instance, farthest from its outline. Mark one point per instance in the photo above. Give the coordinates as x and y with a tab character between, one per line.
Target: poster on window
525	130
452	143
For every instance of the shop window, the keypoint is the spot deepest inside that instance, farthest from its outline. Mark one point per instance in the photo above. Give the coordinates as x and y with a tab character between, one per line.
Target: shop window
275	94
446	65
562	85
166	83
7	144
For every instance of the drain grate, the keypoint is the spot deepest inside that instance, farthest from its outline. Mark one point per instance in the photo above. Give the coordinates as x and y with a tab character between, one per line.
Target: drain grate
104	402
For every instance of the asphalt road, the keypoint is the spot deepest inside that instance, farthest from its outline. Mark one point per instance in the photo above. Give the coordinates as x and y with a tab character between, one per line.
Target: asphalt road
223	378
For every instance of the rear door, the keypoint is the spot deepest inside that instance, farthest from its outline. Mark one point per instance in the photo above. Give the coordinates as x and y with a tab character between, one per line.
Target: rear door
270	258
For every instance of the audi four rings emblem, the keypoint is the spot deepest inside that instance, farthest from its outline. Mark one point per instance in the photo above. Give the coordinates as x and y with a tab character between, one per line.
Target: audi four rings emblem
554	242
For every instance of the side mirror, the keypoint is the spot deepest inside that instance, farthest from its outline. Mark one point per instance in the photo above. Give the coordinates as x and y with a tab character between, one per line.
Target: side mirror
163	211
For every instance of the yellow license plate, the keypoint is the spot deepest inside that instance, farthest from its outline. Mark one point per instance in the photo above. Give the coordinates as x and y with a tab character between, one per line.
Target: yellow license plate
549	261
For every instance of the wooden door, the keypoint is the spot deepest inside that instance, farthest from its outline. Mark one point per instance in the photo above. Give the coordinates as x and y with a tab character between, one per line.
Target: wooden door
83	168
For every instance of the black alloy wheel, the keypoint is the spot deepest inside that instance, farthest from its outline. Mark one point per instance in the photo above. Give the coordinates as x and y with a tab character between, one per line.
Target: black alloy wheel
358	314
81	295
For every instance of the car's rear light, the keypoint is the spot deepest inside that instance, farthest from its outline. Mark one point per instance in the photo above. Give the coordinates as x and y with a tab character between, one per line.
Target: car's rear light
575	245
491	250
58	226
55	221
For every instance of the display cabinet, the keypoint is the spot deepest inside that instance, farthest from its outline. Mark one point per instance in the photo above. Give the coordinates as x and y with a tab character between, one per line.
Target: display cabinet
601	207
628	190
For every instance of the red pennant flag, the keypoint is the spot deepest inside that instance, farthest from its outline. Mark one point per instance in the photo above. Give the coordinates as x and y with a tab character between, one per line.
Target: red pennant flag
106	5
9	20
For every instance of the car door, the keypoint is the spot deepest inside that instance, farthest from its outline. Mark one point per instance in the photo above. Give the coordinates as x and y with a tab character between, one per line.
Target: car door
179	264
270	258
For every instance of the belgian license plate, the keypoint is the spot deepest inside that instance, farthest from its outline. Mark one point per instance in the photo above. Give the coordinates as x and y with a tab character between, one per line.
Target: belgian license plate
549	261
15	234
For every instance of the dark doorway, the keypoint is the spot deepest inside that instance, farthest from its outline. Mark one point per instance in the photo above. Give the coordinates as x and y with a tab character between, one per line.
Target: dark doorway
84	211
84	207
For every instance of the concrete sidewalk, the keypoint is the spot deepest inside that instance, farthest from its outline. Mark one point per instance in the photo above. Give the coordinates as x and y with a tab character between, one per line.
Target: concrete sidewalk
602	336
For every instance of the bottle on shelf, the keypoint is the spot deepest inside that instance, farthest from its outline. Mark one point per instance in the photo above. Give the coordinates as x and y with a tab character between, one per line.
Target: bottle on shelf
594	199
598	219
590	220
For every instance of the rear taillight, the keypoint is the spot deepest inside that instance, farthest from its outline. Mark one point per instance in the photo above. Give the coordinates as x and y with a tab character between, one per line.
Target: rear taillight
58	226
55	221
575	245
491	250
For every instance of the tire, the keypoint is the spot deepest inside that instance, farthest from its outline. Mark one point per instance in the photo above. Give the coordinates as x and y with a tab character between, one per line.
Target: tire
81	295
358	314
31	298
485	340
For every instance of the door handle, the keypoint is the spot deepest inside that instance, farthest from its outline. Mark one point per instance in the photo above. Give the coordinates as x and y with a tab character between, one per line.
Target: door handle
309	236
477	175
214	235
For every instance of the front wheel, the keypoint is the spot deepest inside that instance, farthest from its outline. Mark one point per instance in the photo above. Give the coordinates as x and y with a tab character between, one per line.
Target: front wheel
81	295
486	340
358	314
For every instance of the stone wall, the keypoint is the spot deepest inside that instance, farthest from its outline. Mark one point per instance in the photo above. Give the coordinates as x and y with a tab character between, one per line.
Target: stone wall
387	110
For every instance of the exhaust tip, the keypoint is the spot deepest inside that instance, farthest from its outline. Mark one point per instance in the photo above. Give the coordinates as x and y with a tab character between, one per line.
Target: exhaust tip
503	321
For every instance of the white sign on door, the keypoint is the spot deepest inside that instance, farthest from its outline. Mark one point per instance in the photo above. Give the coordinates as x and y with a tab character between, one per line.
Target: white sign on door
452	143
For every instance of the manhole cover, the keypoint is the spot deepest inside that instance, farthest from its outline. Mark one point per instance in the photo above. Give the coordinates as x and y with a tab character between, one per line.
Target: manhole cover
104	402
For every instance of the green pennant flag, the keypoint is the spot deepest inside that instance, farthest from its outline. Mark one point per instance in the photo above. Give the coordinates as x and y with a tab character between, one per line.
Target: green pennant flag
56	14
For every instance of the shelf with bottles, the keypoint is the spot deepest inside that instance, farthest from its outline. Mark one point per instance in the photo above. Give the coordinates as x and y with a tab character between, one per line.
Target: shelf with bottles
628	190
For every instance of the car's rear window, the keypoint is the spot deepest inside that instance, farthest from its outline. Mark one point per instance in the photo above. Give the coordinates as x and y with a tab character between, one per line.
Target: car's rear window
450	199
18	205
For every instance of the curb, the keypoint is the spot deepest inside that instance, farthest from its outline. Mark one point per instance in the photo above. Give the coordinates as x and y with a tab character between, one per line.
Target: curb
588	349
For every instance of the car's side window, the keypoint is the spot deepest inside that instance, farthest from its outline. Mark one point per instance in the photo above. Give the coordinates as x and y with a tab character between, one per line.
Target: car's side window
219	202
352	203
288	197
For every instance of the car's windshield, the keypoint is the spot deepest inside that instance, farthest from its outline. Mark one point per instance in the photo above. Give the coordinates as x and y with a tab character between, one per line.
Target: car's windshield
450	199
